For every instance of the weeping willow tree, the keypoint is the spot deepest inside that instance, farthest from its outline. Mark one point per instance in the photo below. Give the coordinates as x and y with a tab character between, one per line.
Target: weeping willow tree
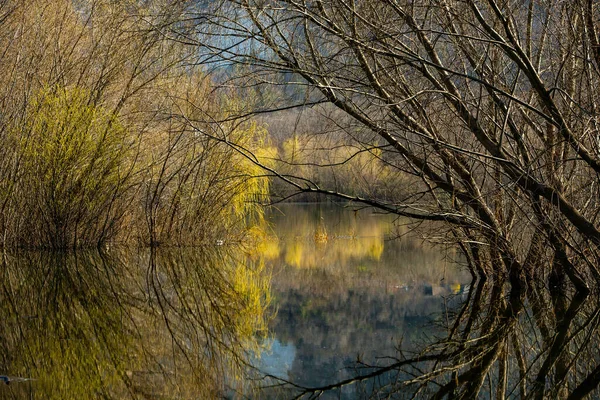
196	186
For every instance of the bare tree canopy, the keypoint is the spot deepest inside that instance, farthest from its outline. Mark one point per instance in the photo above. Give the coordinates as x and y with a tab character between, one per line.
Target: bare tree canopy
491	109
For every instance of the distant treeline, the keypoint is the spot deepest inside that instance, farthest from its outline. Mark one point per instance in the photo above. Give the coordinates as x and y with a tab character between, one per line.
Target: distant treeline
311	144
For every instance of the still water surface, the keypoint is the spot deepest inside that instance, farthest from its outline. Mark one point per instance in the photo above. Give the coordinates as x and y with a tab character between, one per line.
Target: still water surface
351	286
326	288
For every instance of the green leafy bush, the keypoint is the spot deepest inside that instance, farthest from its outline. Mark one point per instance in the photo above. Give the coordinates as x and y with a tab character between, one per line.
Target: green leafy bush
73	171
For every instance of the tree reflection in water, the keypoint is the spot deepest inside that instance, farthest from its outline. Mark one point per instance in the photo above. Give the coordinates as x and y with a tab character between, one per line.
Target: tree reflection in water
502	342
166	324
182	324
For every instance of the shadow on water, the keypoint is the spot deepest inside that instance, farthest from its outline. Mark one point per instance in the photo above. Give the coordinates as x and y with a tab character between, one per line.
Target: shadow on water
144	324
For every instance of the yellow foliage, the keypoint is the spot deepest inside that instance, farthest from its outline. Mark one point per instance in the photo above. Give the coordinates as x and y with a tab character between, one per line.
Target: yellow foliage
90	155
295	254
376	249
252	284
73	162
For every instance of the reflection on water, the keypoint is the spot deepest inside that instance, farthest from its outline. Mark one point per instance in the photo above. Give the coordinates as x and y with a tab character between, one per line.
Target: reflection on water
346	290
168	324
497	345
455	341
358	316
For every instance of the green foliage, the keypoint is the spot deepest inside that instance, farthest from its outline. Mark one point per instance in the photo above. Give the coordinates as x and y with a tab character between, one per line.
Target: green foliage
72	171
108	143
199	188
84	179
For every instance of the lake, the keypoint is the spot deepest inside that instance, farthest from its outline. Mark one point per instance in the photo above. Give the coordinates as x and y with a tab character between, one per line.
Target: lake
327	287
351	285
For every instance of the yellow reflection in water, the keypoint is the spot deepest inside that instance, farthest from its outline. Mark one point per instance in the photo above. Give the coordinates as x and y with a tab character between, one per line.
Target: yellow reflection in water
360	250
294	254
306	239
167	324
